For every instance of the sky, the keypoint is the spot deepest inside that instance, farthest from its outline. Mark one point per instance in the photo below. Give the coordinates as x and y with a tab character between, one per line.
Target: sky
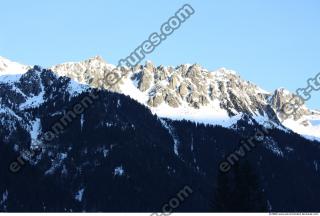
270	43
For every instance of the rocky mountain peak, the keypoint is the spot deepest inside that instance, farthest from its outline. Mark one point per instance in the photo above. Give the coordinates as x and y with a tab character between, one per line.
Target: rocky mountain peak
187	91
150	66
96	59
190	91
281	97
87	72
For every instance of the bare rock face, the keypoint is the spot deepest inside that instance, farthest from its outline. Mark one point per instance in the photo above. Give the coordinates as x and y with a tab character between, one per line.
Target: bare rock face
150	66
203	100
183	90
189	83
212	91
185	85
171	100
90	71
156	100
145	80
193	99
279	98
174	81
280	101
194	73
190	88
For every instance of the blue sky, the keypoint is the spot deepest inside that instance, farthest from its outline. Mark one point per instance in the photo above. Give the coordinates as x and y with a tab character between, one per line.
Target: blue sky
271	43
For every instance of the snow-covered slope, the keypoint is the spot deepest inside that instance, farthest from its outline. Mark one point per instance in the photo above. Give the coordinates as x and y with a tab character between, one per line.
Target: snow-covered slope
303	121
189	92
21	92
307	125
8	67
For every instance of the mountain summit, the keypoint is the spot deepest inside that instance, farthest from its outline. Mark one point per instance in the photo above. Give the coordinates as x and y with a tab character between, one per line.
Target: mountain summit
8	67
109	152
191	92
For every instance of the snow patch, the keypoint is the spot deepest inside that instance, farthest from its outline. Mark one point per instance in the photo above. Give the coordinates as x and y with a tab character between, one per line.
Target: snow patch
310	131
273	146
34	101
130	89
34	133
118	103
118	171
315	122
81	121
4	199
10	78
76	88
9	111
8	67
173	135
56	163
211	114
79	195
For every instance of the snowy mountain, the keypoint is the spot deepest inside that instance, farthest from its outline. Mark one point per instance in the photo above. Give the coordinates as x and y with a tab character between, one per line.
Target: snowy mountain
188	92
8	67
193	93
22	92
116	154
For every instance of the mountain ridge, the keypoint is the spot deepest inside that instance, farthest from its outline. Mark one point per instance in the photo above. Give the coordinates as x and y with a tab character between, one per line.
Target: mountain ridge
191	92
116	154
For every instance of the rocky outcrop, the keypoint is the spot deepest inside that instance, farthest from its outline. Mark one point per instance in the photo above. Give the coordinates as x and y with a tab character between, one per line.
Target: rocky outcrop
280	101
192	84
187	86
171	100
156	100
183	90
145	79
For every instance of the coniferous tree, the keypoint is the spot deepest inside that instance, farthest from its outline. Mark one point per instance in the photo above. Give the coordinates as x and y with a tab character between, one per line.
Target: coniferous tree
240	190
223	192
248	195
